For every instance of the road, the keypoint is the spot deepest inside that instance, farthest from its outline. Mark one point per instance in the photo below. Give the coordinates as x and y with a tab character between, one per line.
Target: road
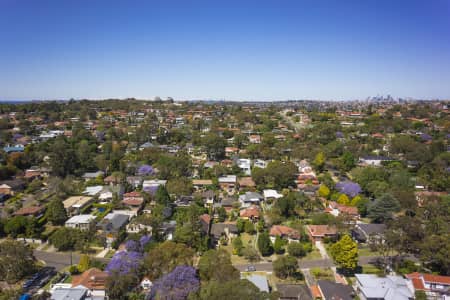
303	264
60	260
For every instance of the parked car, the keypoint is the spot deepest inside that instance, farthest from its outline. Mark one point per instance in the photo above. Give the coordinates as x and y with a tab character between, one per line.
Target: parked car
250	268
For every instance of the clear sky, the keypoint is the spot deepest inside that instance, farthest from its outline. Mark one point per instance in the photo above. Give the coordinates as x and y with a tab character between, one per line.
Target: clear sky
227	49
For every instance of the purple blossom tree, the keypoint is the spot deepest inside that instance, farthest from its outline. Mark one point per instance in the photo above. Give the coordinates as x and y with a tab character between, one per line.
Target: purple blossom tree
144	240
349	188
145	170
176	285
125	262
151	189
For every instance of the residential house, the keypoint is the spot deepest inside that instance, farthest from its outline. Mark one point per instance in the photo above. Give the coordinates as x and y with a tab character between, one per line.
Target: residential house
15	148
329	290
36	172
373	160
205	221
75	204
231	151
319	232
11	187
260	281
246	183
133	200
146	284
93	279
284	232
208	197
108	192
228	183
81	222
167	229
259	163
250	198
373	287
111	225
364	233
337	209
227	203
35	211
78	293
425	196
201	184
226	229
254	139
93	190
184	201
151	186
271	195
92	175
293	292
245	165
135	181
250	213
435	286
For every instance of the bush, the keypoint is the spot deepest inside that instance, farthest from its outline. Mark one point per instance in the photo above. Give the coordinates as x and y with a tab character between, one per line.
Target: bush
296	249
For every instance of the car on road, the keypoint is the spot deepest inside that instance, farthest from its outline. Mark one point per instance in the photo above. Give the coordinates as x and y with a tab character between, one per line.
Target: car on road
250	269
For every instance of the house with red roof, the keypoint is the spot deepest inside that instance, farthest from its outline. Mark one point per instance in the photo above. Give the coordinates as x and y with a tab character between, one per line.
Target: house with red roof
285	232
250	213
435	286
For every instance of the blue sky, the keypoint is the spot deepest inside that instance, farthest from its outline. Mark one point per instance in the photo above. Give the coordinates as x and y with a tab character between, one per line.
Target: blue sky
237	50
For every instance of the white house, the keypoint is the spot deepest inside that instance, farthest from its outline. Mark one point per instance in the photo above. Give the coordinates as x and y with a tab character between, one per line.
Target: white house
271	195
81	222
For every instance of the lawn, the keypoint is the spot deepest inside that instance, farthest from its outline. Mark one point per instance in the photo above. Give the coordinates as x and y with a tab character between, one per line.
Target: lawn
370	269
248	241
313	255
322	273
365	251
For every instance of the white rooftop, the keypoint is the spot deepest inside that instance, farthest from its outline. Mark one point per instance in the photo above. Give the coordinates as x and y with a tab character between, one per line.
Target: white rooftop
81	219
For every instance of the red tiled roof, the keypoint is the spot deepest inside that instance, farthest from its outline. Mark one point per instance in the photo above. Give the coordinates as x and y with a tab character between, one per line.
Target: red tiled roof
132	201
246	181
205	218
132	194
30	210
93	279
321	230
280	230
436	278
252	211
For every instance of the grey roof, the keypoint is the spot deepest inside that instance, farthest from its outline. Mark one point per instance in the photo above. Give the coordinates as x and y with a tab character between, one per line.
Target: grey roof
387	288
294	291
251	196
336	291
362	231
218	228
114	223
78	293
260	281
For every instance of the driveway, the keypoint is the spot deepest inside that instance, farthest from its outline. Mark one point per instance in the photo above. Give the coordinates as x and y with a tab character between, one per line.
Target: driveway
322	250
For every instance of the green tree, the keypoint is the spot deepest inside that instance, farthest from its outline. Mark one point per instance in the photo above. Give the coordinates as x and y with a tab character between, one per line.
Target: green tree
215	146
343	199
319	161
237	289
345	253
165	257
250	254
264	244
237	246
16	225
162	196
383	208
324	191
215	265
296	249
16	260
285	266
249	227
84	263
56	212
118	286
278	245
